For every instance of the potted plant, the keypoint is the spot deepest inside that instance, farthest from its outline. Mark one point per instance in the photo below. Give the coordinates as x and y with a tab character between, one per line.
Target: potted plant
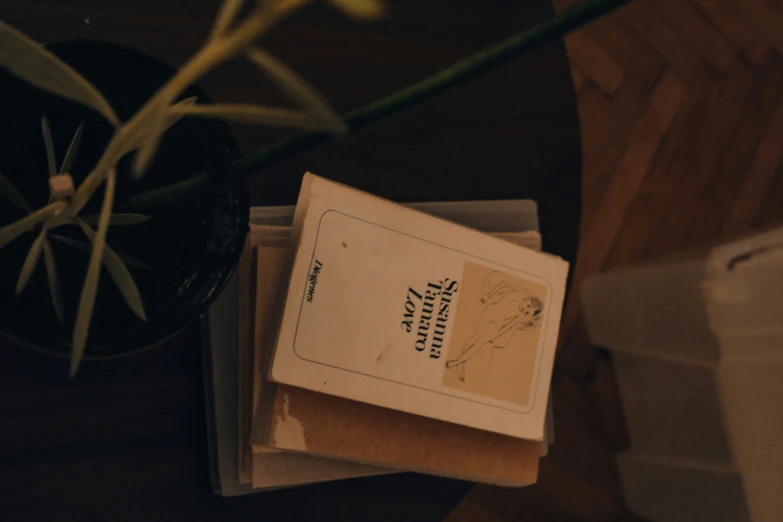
87	126
78	161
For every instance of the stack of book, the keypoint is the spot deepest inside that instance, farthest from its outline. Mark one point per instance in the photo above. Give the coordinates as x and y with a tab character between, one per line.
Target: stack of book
363	337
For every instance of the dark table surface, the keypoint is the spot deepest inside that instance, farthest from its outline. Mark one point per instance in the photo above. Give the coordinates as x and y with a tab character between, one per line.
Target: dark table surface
126	441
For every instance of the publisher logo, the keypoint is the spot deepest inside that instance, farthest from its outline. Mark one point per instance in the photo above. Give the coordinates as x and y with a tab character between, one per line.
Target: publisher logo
313	280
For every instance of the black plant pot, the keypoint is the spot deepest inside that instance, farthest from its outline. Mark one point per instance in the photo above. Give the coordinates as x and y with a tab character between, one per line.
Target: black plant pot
191	249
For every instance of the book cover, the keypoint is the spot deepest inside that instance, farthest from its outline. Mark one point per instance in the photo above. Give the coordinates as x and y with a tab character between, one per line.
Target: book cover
395	308
317	424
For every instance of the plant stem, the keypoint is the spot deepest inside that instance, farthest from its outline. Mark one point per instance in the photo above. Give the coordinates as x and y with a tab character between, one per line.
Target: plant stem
477	64
216	50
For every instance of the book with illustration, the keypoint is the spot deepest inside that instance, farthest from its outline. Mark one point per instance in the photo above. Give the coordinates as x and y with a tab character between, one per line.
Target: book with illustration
302	437
398	309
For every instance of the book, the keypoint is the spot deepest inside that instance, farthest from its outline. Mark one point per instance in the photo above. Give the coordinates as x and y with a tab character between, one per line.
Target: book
299	420
220	340
388	306
256	299
224	381
266	252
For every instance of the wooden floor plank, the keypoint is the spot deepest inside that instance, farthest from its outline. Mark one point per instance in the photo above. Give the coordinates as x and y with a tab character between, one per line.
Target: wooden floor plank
606	137
601	227
585	498
596	108
609	413
586	455
638	59
594	61
766	18
580	80
712	207
702	35
630	244
648	24
765	164
736	27
771	210
714	122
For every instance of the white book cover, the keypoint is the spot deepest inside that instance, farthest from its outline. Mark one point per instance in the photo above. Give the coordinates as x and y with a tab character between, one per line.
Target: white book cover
395	308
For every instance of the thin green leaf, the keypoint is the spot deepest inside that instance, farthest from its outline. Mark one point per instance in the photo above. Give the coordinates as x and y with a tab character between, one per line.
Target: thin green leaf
81	246
10	232
47	136
54	281
148	137
90	288
33	63
362	9
151	139
226	16
137	139
119	272
73	148
30	262
210	56
184	102
118	220
255	114
297	88
8	190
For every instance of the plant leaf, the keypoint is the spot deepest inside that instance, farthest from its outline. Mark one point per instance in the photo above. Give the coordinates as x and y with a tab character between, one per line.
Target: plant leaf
47	136
8	190
147	138
73	148
137	139
54	281
10	232
119	272
151	139
226	16
362	9
90	288
254	114
33	63
30	262
118	220
81	246
296	88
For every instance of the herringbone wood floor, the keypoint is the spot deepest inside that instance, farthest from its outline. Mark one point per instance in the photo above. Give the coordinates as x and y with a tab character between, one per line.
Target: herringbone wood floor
681	108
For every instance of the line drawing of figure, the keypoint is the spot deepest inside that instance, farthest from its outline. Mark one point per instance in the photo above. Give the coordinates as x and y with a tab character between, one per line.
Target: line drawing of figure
506	307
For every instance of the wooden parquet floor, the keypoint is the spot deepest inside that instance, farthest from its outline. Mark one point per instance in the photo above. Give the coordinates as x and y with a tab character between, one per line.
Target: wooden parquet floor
681	109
